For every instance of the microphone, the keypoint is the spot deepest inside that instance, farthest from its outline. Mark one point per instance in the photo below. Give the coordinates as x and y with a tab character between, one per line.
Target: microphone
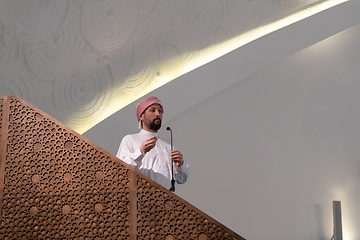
172	162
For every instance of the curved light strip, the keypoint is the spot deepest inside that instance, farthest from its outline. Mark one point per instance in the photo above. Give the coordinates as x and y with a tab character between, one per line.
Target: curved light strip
259	32
254	34
213	53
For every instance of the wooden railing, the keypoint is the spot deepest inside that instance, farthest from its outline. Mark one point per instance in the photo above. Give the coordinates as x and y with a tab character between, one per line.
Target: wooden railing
56	184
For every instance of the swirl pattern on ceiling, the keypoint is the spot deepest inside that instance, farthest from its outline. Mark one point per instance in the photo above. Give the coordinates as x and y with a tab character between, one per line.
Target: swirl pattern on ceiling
33	21
16	80
109	25
83	60
64	50
83	95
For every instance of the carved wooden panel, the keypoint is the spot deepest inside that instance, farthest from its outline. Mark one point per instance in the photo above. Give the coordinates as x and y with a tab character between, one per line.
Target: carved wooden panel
55	184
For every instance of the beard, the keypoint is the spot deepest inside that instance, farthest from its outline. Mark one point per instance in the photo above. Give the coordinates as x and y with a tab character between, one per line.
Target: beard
155	126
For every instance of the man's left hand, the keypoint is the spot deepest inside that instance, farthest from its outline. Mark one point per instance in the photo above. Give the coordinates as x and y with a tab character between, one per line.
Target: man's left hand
177	157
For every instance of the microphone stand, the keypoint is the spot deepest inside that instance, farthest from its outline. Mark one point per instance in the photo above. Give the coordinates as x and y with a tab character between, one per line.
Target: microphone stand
172	162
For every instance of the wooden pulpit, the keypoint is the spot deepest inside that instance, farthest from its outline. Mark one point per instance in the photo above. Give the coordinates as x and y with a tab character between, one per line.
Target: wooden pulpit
56	184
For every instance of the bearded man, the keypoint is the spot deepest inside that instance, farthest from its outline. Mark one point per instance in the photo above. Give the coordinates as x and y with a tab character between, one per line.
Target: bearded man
149	154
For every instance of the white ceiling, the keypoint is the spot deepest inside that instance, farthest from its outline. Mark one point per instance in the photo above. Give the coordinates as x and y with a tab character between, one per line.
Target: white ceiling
82	60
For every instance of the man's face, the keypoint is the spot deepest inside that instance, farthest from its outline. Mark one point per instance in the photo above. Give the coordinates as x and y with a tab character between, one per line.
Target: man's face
151	118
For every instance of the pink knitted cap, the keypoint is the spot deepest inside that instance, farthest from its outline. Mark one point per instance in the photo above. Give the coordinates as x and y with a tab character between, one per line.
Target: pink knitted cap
144	104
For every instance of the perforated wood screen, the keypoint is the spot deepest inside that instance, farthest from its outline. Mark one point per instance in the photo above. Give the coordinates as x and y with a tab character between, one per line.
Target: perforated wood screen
55	184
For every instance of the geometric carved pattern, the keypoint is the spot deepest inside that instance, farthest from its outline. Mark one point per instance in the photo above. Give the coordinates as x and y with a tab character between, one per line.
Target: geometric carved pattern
55	184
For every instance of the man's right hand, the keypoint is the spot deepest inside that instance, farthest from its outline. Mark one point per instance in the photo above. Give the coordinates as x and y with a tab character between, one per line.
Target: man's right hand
148	144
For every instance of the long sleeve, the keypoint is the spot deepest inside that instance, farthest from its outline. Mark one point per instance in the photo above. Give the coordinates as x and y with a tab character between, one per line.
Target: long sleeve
129	152
156	164
182	173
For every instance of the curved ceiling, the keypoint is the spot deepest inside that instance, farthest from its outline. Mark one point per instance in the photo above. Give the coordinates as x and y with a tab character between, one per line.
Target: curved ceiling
83	60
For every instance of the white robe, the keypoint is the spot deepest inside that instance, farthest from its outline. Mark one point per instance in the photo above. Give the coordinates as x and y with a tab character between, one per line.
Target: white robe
156	164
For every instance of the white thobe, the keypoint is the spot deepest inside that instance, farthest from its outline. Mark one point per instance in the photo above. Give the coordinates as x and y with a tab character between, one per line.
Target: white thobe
156	164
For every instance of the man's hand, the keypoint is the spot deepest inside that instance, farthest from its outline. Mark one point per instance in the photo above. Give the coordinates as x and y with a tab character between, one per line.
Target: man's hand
177	157
148	144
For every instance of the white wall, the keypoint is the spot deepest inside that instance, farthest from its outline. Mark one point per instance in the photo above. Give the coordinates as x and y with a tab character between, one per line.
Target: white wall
270	154
270	147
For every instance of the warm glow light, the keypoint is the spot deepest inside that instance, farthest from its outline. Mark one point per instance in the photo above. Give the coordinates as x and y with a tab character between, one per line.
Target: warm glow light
348	225
256	33
172	69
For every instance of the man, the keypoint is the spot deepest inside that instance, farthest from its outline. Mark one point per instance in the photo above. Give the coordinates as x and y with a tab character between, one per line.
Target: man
149	154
